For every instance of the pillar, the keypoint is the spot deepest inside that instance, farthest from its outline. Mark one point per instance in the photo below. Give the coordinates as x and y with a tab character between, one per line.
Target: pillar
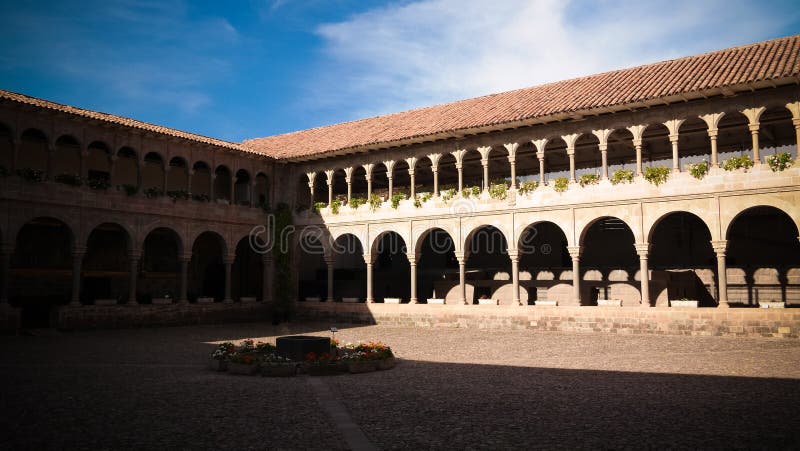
673	126
462	285
512	161
183	298
51	150
484	151
348	178
712	121
753	115
266	277
570	140
252	192
77	263
722	272
459	156
189	175
228	261
391	184
539	145
133	275
84	164
5	273
637	131
412	165
389	172
642	250
575	253
329	262
514	255
794	107
602	136
329	181
412	261
213	190
311	176
368	176
368	261
434	157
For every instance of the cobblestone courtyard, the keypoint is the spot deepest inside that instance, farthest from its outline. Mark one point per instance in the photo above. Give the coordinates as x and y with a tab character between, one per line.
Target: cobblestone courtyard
455	388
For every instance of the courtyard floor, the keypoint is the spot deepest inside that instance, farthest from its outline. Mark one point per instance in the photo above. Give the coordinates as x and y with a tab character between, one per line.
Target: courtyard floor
454	388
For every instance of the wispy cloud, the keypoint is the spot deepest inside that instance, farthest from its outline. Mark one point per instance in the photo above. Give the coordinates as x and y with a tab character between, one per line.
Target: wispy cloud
403	56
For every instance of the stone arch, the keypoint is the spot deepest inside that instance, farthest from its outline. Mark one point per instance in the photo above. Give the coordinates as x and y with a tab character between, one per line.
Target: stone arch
542	248
246	272
607	245
313	245
105	270
222	183
656	147
126	168
67	156
131	236
359	235
147	230
470	228
71	225
178	175
437	267
488	266
98	164
261	190
206	268
216	232
6	147
349	267
391	268
153	171
789	205
696	209
419	237
241	187
159	275
201	180
734	138
33	150
621	152
589	218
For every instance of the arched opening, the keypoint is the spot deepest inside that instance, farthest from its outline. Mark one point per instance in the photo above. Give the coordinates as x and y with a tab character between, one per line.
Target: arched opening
359	183
6	150
694	145
41	270
609	263
763	258
105	265
734	138
488	267
588	160
448	175
621	153
98	163
178	176
499	171
681	260
556	160
126	169
153	173
67	157
246	272
241	189
207	267
423	180
437	267
349	269
160	270
380	182
391	270
777	133
656	147
472	173
312	269
401	183
201	181
32	151
262	191
543	258
303	194
222	184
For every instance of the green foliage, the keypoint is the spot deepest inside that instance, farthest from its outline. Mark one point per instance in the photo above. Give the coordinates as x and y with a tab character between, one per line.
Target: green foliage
396	198
374	201
560	184
589	179
780	161
318	206
129	190
498	190
420	199
622	176
699	170
471	191
178	194
31	175
356	202
335	206
282	259
69	179
657	175
201	197
528	187
98	183
153	192
734	163
449	194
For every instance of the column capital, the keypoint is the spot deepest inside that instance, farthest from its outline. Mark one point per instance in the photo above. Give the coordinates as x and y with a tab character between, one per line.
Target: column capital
512	150
461	257
539	144
78	251
642	249
329	176
389	164
412	163
348	172
185	258
574	251
458	154
266	257
794	108
135	254
513	254
571	140
637	131
484	151
712	121
368	170
434	157
674	125
753	115
412	260
602	136
229	259
720	246
329	259
311	177
369	259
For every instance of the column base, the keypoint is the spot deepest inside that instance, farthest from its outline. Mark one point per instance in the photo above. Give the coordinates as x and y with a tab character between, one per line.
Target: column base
370	300
517	302
227	301
413	301
723	305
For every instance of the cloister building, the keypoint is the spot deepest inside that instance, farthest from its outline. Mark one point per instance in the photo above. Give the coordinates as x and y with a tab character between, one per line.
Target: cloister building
664	186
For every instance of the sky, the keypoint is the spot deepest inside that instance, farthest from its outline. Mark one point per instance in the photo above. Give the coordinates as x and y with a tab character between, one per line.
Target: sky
242	69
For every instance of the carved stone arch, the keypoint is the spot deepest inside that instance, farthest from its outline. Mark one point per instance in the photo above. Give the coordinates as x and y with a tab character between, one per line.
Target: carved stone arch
629	214
587	223
421	229
93	223
360	233
73	226
703	209
377	232
788	203
502	223
23	129
179	231
561	218
223	235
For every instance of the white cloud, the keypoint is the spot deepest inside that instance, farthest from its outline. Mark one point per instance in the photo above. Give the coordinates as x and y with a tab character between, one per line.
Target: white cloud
431	51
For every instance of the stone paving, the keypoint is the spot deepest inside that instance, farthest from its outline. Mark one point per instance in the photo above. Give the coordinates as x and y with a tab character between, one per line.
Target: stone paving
454	388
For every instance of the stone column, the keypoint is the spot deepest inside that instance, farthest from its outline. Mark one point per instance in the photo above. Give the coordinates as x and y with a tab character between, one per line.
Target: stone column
575	253
189	175
184	260
133	275
434	157
266	277
252	192
570	140
462	285
459	156
5	273
637	131
213	190
712	121
512	161
722	275
673	126
112	164
484	151
412	261
514	255
311	177
167	167
368	176
368	261
329	181
77	263
753	115
228	261
84	164
389	172
602	137
413	183
540	156
348	178
329	262
794	107
642	250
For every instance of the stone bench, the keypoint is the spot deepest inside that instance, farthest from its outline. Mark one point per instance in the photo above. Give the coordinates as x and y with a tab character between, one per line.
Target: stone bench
488	302
609	302
435	301
546	303
391	300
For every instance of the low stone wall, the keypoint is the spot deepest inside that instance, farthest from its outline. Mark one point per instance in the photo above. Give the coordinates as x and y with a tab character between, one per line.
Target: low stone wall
737	322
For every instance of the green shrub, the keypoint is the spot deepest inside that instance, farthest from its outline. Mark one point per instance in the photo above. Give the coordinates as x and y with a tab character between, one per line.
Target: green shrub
657	175
99	183
589	179
421	199
178	194
396	198
335	206
622	176
31	175
153	192
498	190
734	163
449	194
129	190
699	170
780	161
471	191
560	184
375	202
356	202
318	206
69	179
528	187
201	197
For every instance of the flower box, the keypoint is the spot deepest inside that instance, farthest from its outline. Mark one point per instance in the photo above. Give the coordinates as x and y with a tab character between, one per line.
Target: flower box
361	366
162	301
242	368
205	300
351	300
488	302
217	364
609	302
105	302
686	303
772	304
314	299
436	301
547	303
330	369
391	300
247	299
385	364
278	370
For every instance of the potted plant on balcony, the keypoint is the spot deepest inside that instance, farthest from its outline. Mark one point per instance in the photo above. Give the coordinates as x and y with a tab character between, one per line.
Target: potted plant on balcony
356	202
31	175
98	183
657	175
153	192
527	187
780	161
699	170
589	179
560	184
743	162
622	176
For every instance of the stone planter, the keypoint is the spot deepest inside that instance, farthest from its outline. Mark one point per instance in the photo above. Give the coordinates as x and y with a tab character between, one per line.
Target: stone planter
546	303
771	304
105	302
385	364
278	370
435	301
351	300
488	302
242	368
609	302
205	300
361	366
217	364
391	300
683	303
247	299
162	301
331	369
314	299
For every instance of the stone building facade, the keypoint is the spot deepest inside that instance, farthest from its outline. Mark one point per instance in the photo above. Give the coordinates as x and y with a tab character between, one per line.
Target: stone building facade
654	187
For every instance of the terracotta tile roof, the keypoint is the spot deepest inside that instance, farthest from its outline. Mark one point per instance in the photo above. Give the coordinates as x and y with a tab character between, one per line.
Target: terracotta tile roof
704	74
120	120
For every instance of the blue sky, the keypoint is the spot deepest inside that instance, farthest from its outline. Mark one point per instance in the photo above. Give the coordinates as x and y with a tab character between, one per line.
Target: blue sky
242	69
